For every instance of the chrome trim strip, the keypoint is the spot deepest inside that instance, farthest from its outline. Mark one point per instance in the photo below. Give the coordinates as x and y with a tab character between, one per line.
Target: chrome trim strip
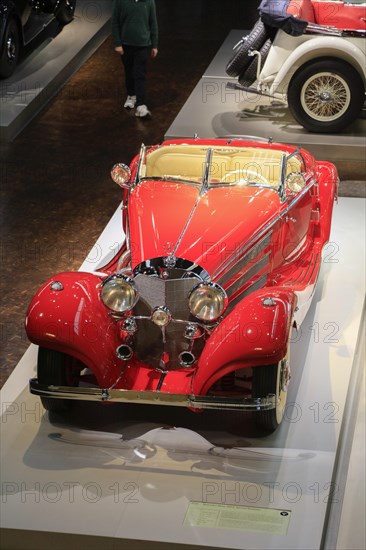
173	179
204	189
216	185
139	164
125	256
186	226
152	398
256	268
231	137
205	328
245	259
315	28
267	227
281	184
189	268
326	30
294	153
206	172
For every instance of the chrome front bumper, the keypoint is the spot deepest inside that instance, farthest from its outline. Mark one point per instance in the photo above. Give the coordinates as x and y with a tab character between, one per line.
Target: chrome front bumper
153	398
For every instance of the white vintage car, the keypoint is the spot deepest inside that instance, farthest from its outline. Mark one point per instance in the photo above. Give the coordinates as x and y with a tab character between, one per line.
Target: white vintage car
310	52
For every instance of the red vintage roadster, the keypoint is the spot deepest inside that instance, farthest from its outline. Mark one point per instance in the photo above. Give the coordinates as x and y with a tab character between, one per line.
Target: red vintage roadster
222	251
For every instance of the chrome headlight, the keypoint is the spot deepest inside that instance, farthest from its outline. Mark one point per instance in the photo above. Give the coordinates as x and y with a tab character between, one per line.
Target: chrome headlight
119	293
207	301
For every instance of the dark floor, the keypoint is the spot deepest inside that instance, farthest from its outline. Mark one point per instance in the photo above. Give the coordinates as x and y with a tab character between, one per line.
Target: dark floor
56	193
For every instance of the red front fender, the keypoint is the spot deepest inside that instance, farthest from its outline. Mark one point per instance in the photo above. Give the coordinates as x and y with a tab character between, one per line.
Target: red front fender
252	334
75	321
328	192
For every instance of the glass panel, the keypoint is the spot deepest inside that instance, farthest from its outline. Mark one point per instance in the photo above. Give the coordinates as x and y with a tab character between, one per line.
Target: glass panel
295	163
247	166
184	162
230	165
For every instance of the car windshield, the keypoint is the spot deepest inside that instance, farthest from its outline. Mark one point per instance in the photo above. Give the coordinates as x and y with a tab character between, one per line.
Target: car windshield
212	166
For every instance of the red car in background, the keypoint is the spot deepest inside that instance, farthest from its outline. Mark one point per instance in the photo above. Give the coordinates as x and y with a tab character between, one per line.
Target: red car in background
221	255
310	54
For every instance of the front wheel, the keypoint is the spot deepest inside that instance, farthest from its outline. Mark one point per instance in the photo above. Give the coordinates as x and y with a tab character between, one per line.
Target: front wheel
271	379
59	369
65	11
10	49
326	96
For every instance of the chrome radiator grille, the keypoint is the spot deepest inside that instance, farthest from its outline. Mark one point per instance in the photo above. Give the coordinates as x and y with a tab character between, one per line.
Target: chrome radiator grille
150	341
172	293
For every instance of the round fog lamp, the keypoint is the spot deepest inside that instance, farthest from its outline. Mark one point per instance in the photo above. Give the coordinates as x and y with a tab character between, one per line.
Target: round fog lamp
161	316
207	301
119	293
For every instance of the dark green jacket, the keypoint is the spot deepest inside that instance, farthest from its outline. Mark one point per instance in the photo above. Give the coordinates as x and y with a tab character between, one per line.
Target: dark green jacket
134	23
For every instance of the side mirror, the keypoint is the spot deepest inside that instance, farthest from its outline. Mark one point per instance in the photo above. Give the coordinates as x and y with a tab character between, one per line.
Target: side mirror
295	182
121	174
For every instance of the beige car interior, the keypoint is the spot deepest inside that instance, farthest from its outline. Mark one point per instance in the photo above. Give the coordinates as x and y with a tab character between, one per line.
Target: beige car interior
234	165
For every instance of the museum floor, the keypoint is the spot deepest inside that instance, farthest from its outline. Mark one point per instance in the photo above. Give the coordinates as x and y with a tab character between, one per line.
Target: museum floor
56	193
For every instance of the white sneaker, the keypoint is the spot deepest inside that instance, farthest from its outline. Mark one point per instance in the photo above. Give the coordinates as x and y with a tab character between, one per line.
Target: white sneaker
130	102
142	111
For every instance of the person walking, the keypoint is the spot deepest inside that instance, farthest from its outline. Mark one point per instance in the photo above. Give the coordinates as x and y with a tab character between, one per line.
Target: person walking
135	38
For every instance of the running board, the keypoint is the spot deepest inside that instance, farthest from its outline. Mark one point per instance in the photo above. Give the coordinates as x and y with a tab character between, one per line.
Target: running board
249	90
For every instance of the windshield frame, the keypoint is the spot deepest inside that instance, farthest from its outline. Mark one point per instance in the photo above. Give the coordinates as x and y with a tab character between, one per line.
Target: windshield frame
205	185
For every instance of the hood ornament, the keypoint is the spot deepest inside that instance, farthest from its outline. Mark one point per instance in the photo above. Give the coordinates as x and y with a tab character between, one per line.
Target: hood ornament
170	261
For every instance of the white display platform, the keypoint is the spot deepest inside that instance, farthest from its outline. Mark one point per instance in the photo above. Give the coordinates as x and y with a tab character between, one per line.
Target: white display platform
156	474
213	110
352	528
40	75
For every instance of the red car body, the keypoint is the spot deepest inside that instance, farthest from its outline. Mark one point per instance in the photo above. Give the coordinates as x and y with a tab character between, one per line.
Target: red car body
238	224
339	14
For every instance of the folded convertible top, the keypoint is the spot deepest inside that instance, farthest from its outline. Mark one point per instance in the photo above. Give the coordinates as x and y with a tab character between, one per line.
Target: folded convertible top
276	13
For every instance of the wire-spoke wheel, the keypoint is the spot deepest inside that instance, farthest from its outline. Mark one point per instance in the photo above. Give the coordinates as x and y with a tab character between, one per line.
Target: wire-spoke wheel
326	96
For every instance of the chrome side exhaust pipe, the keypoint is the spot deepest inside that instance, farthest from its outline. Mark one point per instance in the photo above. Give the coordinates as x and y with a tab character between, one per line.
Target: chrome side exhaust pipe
124	352
186	359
